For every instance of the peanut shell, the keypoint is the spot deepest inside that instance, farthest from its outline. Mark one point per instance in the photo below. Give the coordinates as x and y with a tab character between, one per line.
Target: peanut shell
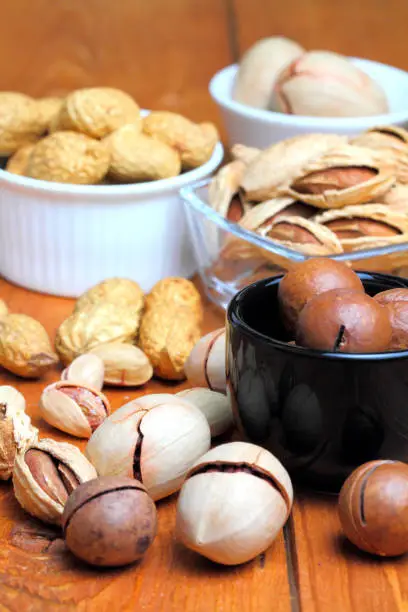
18	162
138	157
98	111
121	291
93	325
49	109
175	292
68	157
25	347
194	142
20	122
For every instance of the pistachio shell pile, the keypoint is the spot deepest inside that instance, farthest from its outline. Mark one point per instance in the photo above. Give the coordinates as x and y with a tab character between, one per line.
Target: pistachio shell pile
98	135
318	194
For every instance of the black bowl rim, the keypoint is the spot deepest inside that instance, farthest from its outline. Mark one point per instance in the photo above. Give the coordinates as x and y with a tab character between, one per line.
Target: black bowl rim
235	319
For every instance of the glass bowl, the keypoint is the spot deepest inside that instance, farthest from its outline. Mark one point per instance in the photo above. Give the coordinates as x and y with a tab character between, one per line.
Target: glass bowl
229	257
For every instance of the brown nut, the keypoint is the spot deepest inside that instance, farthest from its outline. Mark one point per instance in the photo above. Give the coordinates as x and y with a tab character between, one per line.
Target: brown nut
373	507
69	157
310	278
25	347
320	181
98	111
45	473
359	228
392	295
396	302
346	321
109	521
73	408
17	163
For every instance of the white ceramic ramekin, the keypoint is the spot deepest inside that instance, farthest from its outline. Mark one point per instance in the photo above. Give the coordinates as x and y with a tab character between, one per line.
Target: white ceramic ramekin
260	128
61	239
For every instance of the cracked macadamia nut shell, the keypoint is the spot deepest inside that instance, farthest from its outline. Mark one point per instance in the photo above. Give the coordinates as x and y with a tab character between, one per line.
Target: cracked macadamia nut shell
310	278
109	521
344	320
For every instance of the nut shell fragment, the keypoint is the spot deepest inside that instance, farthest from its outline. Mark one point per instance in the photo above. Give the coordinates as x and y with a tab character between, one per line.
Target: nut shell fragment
17	163
29	492
25	347
69	157
16	430
98	111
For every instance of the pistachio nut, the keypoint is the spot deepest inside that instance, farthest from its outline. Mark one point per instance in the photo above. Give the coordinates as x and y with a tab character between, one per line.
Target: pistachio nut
16	430
342	177
45	473
269	173
216	407
76	409
87	369
125	365
92	325
154	439
205	366
362	226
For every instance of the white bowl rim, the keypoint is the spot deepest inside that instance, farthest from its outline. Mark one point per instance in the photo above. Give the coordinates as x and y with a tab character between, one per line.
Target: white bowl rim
273	117
107	191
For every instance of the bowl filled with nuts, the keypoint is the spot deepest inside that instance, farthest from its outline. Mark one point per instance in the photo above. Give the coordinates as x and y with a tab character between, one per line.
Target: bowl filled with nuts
314	195
279	90
316	368
90	189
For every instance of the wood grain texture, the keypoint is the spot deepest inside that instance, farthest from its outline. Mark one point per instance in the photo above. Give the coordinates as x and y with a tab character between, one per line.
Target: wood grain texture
37	573
369	28
334	575
163	53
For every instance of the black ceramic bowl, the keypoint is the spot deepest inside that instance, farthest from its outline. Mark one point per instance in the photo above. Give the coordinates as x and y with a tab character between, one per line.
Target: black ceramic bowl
322	414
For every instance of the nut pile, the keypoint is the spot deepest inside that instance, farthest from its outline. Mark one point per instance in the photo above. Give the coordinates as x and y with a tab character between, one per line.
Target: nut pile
324	306
318	194
278	74
98	136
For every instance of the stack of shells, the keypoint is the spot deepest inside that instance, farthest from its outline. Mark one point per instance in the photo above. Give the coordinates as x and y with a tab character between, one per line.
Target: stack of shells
318	194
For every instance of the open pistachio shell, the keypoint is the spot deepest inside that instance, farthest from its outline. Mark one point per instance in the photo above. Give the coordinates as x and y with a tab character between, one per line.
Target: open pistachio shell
359	227
87	369
269	173
303	235
264	213
342	177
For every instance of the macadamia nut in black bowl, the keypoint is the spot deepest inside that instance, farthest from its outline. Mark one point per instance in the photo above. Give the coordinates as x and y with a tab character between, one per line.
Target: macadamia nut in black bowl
321	412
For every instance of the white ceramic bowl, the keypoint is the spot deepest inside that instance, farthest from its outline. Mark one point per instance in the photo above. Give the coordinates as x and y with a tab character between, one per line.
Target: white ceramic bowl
260	128
62	239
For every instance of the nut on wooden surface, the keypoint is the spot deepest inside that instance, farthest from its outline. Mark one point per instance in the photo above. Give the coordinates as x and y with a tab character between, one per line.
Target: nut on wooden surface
25	347
155	439
216	407
125	365
233	503
373	507
69	157
110	521
87	369
205	366
120	291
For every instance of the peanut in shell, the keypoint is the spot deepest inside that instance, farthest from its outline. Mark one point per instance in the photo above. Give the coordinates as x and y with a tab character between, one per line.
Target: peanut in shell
124	292
68	157
98	111
18	162
138	157
20	122
49	109
175	292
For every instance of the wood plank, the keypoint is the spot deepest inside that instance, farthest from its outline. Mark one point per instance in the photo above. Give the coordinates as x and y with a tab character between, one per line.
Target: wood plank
369	28
37	573
334	575
163	53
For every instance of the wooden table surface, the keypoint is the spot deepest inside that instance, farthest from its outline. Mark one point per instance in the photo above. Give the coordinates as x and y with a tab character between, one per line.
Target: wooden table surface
164	52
